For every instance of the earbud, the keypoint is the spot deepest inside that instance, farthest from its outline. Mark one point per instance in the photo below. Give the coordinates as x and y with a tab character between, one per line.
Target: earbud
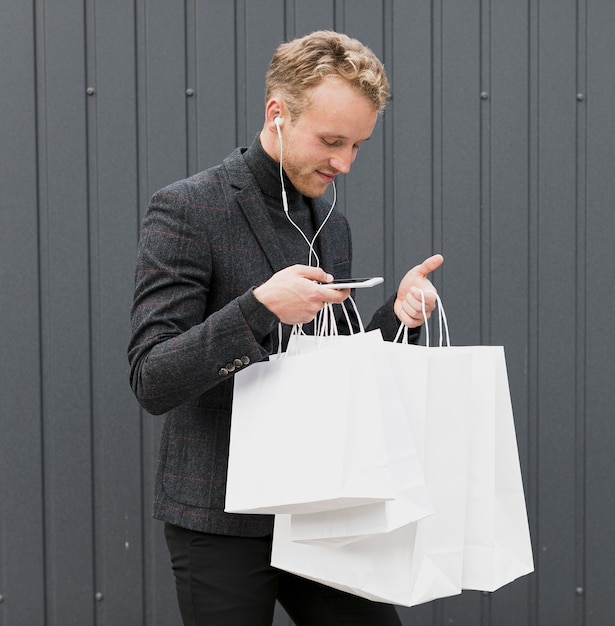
278	122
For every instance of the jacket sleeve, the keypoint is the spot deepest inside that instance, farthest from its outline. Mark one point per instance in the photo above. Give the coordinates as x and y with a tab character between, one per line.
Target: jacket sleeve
183	342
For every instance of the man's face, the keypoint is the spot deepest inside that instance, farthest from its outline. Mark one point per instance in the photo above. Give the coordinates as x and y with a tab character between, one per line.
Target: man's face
324	140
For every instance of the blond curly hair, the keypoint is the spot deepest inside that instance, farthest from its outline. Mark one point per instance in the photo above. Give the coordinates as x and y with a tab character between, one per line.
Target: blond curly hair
301	64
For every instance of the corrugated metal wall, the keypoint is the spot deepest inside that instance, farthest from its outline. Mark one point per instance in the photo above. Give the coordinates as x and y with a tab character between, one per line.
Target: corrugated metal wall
497	149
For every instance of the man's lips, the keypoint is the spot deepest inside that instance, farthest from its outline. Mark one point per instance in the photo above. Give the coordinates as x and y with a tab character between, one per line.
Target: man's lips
326	176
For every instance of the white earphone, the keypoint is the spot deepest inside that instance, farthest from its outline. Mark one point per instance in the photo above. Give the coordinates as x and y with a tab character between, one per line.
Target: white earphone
278	122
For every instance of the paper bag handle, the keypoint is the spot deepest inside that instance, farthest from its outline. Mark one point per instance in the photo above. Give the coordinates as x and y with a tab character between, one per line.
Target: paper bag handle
402	332
325	324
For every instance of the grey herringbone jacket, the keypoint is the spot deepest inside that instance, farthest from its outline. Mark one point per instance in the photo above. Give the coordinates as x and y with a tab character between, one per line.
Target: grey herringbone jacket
205	243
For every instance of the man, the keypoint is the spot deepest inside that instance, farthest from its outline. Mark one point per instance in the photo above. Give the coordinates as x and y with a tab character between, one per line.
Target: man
224	256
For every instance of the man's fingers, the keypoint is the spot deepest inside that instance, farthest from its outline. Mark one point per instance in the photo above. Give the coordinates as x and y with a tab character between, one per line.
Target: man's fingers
426	294
420	302
314	273
429	265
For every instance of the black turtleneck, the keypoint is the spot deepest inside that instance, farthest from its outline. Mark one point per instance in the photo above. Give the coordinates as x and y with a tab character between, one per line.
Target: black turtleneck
267	174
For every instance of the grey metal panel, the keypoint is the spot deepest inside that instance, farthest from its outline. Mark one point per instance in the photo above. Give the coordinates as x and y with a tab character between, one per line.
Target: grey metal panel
263	30
556	264
306	17
597	286
505	226
113	207
65	315
162	92
457	183
22	583
216	83
506	204
411	120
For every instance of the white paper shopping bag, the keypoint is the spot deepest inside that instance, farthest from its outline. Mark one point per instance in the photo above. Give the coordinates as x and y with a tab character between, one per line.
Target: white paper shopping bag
423	560
440	421
412	500
377	568
306	432
497	544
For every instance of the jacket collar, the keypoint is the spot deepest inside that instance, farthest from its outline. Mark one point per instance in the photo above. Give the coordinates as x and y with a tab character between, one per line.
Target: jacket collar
251	203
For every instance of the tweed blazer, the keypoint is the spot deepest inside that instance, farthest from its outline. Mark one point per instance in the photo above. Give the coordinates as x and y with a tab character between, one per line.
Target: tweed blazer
205	243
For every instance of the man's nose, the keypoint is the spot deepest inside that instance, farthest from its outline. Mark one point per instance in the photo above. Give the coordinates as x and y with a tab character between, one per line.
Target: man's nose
342	162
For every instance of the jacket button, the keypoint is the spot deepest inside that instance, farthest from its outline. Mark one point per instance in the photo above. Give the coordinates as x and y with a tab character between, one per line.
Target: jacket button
230	367
238	362
223	371
245	360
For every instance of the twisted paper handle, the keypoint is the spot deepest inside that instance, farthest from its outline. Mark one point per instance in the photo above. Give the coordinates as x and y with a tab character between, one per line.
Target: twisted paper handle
402	332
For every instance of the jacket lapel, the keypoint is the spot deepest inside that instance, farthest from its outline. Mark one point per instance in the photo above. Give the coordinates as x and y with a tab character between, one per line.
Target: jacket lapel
249	198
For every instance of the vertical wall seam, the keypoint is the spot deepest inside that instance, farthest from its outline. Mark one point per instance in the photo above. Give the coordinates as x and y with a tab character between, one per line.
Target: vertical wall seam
437	191
580	313
187	51
43	247
38	57
241	111
485	99
141	110
190	62
91	177
485	236
339	23
140	113
290	19
388	193
532	306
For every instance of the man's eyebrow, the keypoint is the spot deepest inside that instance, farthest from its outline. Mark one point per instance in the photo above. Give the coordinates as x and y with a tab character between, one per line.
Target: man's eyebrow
334	136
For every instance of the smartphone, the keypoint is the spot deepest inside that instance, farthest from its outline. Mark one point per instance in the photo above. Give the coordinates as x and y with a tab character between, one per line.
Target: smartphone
354	283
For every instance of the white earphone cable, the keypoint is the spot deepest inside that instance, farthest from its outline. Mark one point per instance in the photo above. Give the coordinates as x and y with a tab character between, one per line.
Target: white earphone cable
286	209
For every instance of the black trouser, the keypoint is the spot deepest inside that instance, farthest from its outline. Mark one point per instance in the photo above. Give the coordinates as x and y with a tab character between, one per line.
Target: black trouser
228	581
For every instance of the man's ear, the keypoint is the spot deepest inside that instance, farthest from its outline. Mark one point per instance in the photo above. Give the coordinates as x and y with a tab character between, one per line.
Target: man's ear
274	109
